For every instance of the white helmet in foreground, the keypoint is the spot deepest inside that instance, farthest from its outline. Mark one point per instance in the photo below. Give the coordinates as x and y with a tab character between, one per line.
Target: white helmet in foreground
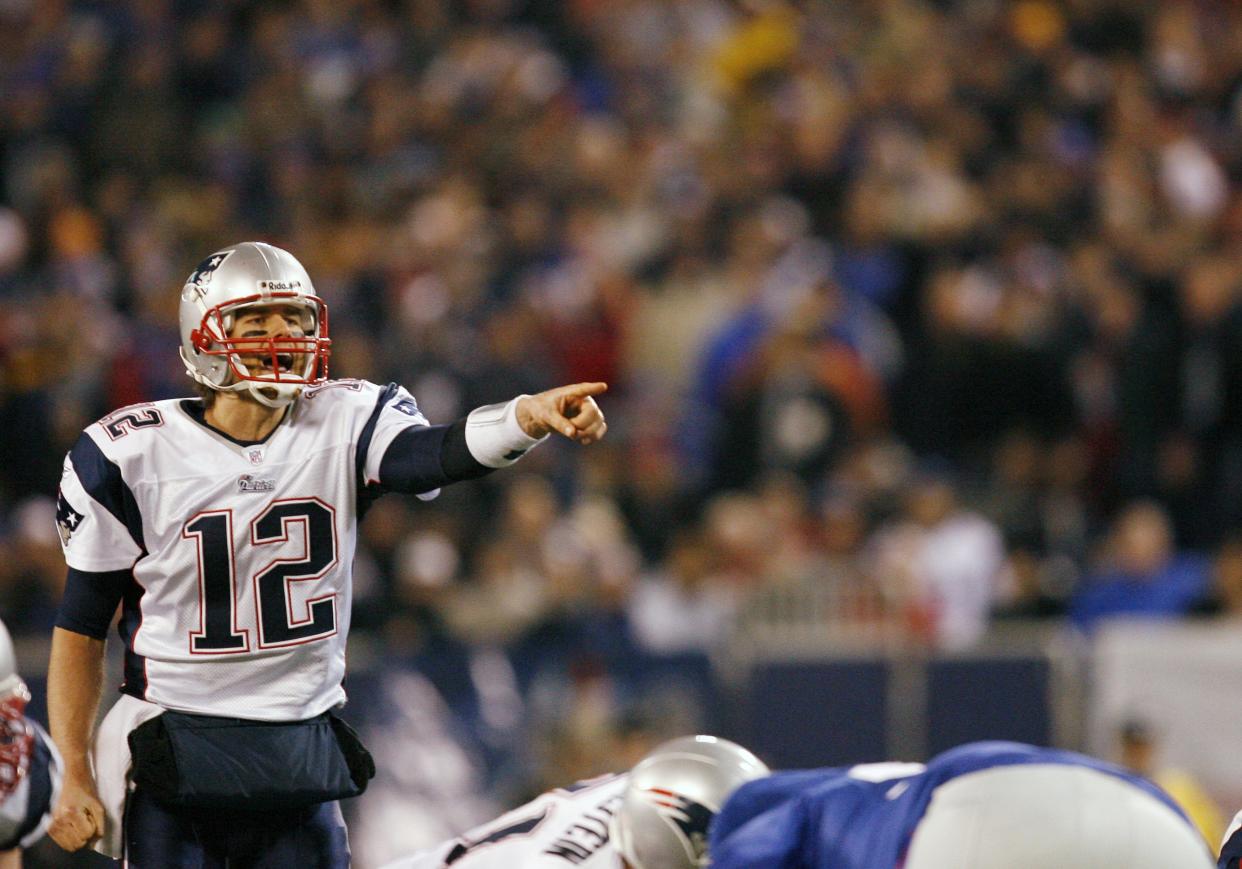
1043	815
253	274
671	797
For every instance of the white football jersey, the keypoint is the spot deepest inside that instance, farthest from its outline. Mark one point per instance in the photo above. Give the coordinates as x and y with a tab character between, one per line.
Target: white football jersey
241	555
564	827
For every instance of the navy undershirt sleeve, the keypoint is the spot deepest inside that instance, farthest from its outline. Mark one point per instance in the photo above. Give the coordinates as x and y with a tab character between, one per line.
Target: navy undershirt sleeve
91	600
426	457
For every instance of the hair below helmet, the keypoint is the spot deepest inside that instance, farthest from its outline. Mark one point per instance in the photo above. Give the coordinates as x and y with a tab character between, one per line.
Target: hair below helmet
671	797
1041	815
248	275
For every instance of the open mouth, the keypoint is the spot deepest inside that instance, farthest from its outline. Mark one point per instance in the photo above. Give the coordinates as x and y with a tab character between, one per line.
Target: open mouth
284	364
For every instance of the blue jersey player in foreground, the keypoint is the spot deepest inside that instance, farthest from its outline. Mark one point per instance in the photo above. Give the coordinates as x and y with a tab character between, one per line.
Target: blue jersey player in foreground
989	805
225	528
29	765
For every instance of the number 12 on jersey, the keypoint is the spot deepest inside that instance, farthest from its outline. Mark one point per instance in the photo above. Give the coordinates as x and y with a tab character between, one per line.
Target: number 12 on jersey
219	632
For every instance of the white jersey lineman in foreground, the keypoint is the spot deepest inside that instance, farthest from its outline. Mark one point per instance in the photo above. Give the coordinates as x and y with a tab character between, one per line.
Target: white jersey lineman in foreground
562	828
656	816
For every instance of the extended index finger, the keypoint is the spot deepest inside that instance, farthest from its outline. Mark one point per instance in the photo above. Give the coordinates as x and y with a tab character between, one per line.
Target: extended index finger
582	390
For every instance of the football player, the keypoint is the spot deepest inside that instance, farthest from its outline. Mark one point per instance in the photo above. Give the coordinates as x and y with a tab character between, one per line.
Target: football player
225	527
989	805
29	765
654	817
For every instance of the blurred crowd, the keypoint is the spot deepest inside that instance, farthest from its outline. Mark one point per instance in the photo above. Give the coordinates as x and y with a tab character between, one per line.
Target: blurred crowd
918	315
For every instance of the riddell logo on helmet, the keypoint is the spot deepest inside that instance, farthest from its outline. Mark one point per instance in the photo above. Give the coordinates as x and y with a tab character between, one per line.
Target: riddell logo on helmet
280	286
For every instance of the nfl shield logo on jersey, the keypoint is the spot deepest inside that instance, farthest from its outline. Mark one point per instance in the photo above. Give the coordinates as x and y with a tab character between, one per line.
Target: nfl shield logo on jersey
255	456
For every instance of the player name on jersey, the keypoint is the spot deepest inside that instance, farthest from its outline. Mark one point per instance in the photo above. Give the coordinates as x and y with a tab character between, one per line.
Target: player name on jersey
585	836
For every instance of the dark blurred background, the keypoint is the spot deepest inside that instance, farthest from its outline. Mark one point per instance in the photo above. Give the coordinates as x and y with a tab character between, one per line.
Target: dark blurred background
921	318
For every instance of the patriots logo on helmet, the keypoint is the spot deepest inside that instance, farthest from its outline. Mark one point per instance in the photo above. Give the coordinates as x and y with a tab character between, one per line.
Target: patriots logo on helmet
202	275
67	518
691	819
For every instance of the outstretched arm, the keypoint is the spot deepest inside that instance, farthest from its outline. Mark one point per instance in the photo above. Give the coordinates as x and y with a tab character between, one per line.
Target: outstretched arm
422	458
74	686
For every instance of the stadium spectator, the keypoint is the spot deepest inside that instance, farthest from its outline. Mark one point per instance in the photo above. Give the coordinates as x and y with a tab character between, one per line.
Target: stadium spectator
687	606
940	564
1140	752
1143	576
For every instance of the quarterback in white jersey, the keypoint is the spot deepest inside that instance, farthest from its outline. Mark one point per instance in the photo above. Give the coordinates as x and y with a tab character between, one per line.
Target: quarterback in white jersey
225	528
654	817
239	553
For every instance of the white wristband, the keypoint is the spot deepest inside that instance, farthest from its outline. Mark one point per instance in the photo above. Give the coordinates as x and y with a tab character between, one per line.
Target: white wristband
494	437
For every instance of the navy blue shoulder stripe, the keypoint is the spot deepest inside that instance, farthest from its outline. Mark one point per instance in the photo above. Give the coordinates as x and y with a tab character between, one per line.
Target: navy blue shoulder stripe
368	431
102	480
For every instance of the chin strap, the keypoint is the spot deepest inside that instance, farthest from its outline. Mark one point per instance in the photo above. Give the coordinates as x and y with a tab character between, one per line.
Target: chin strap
285	393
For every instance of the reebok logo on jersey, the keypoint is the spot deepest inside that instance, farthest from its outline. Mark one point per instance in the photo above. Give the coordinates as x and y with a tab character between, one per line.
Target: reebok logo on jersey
67	519
248	483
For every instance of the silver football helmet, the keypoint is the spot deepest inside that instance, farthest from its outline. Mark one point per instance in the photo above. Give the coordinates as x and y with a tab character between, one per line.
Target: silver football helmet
1040	815
253	274
671	797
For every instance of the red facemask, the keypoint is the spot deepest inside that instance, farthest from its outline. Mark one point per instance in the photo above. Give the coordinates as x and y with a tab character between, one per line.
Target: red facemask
211	339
